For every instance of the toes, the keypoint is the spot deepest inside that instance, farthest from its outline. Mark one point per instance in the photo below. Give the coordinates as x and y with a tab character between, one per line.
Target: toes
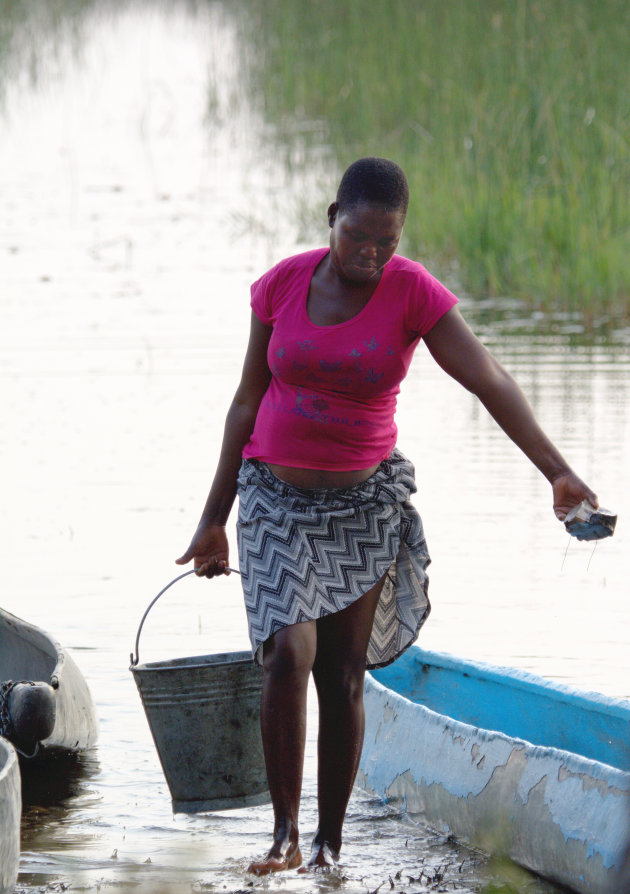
276	864
323	857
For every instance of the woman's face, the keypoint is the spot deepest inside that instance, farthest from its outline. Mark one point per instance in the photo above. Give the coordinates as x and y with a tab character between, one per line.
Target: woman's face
363	239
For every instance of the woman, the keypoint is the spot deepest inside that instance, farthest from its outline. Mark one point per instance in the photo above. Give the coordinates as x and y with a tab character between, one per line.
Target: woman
332	554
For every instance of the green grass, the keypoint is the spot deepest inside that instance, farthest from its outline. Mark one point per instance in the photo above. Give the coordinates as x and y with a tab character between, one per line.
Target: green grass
511	119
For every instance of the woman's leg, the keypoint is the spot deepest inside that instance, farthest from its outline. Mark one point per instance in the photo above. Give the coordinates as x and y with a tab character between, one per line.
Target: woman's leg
288	658
339	670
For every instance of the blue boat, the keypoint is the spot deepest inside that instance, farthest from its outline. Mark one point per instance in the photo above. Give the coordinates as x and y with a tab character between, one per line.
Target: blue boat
507	762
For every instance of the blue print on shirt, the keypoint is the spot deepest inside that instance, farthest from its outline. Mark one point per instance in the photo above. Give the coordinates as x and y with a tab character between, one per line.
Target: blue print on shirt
317	366
313	406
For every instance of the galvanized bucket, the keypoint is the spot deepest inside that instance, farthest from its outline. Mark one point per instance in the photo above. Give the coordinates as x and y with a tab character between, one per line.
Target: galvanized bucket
204	714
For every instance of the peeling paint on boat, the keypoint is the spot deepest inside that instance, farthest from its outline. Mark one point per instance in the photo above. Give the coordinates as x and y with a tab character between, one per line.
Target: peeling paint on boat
558	813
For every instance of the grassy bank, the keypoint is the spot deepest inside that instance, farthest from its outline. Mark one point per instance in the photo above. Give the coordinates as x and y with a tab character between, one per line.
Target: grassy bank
512	120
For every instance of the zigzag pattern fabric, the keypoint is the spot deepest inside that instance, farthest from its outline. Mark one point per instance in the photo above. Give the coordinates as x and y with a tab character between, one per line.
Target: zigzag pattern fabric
304	554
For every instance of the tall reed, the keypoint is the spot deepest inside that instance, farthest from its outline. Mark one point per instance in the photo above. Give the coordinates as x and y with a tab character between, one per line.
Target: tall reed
510	117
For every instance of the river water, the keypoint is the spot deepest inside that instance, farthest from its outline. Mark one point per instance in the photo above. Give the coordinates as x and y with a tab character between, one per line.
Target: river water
138	204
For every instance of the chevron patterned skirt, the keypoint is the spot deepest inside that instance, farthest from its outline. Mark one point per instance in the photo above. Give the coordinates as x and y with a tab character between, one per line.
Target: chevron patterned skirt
304	554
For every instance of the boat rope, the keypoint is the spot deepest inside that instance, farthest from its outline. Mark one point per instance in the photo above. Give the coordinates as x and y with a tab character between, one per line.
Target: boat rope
6	724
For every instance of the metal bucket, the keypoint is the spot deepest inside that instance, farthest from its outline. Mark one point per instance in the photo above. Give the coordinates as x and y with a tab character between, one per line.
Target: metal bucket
204	716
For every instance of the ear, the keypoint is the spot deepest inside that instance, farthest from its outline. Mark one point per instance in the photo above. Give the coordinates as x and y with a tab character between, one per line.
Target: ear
333	210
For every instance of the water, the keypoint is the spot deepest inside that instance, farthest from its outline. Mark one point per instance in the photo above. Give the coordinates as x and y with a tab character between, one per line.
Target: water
138	206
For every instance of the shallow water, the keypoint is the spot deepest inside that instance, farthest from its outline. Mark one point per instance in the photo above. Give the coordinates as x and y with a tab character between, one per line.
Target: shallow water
135	214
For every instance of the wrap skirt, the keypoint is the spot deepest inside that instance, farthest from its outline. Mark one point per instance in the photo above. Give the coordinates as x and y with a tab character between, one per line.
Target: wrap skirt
304	554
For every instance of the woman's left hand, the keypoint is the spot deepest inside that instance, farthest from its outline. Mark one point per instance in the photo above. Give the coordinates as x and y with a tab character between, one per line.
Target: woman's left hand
569	491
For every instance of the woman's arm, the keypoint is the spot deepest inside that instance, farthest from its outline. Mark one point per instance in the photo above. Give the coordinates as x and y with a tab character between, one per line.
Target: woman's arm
460	353
209	546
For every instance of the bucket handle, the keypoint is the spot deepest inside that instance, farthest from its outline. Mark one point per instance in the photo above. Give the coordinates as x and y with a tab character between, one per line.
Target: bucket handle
136	659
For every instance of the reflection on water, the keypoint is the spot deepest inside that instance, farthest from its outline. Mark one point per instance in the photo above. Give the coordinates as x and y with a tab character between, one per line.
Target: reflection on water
140	199
51	782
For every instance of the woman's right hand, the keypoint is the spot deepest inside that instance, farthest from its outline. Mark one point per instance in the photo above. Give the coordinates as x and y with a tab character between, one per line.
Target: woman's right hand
209	548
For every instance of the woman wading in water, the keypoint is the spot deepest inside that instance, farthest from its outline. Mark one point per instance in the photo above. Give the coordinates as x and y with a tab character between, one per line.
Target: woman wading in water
331	550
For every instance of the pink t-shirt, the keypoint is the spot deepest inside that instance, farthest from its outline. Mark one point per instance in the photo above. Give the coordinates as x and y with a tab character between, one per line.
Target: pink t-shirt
332	396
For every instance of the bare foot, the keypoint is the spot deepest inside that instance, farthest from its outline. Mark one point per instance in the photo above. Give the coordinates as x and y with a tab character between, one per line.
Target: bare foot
276	861
323	857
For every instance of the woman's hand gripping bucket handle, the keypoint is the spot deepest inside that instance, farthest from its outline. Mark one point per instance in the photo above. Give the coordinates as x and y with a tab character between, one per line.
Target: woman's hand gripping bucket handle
135	660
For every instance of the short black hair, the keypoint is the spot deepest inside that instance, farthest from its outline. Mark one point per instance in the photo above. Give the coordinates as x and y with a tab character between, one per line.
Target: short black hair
374	181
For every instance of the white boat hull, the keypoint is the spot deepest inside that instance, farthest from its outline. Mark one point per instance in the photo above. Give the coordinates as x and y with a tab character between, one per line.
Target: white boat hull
28	653
10	814
561	815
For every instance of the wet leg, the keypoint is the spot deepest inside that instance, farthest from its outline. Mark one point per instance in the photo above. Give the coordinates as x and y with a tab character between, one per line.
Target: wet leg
339	671
287	663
